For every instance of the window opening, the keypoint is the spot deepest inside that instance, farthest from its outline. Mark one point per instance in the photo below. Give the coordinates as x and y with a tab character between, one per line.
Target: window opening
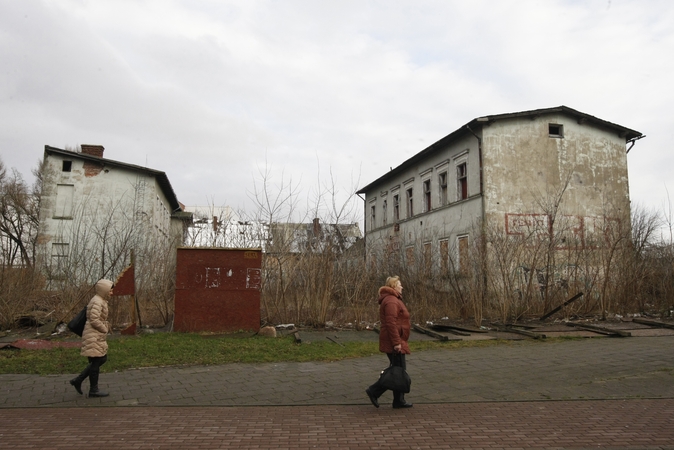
427	195
373	212
67	166
396	208
410	203
442	178
462	181
556	130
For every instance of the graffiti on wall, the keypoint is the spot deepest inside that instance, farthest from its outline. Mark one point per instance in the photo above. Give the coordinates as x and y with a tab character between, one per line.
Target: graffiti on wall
568	231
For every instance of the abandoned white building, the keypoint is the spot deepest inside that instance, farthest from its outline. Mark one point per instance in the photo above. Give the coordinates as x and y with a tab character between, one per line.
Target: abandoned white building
517	172
94	211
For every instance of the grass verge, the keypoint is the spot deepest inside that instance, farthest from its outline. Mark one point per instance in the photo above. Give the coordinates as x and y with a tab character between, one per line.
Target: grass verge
174	349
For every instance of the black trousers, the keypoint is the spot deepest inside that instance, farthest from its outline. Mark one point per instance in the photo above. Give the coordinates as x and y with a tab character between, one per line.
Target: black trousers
395	359
92	371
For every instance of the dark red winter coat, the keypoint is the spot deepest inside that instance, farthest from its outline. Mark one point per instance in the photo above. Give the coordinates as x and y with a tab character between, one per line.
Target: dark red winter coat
395	321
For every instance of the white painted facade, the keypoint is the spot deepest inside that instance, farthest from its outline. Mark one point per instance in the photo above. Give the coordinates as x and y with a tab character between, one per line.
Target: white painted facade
501	171
94	210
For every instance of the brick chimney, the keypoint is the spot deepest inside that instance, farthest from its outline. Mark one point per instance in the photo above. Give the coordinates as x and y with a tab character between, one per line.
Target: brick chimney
93	150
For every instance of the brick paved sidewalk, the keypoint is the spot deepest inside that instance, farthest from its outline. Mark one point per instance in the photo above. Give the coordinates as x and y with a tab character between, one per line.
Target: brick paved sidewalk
607	424
597	368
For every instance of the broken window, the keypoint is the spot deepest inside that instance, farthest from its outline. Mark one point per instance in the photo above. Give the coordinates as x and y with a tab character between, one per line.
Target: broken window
427	195
59	259
384	208
410	203
442	181
373	217
67	166
462	181
556	130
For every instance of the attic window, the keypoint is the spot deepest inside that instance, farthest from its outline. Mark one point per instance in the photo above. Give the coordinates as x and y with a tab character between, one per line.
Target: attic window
67	166
556	130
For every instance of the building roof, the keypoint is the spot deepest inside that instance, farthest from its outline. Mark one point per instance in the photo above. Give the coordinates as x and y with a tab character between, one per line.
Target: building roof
160	176
581	117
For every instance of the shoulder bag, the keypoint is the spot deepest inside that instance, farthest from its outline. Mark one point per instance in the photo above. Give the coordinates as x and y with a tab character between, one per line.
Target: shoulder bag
76	325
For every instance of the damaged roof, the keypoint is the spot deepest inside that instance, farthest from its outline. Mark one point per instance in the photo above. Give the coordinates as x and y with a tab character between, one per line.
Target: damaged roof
161	177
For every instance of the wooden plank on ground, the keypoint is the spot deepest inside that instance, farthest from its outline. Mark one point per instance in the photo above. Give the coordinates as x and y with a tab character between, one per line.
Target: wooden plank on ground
449	329
600	330
511	329
431	333
298	339
572	299
652	323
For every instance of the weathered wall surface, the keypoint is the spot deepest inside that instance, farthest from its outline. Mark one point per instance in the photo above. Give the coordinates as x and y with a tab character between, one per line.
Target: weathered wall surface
527	171
90	197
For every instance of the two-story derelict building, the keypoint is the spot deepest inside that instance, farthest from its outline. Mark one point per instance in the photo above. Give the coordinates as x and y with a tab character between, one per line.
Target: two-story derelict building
94	211
515	172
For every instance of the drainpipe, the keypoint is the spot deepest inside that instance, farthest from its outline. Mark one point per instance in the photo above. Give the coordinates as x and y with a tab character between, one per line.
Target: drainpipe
634	141
479	154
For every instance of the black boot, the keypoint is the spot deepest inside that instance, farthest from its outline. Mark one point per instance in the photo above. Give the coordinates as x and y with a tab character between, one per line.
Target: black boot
93	384
373	398
77	384
399	401
77	381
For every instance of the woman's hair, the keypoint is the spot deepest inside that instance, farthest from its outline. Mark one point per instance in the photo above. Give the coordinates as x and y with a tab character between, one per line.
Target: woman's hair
391	281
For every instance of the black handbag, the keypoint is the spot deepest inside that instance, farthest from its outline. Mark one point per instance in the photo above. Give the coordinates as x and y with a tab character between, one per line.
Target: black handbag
395	378
76	325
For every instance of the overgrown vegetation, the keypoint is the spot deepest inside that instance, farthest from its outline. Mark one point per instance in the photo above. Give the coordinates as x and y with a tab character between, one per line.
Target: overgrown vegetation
325	278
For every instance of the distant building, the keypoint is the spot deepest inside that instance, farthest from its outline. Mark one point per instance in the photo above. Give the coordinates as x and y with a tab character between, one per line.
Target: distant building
313	237
220	227
94	211
502	171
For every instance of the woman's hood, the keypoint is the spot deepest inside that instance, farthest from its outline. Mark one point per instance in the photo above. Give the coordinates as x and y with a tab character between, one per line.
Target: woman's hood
385	291
102	288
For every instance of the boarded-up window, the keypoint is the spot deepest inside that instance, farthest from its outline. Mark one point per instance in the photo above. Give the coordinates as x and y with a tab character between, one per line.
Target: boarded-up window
428	257
409	255
464	261
444	255
64	201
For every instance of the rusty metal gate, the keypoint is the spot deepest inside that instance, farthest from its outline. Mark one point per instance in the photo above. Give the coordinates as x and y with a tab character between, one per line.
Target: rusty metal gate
217	289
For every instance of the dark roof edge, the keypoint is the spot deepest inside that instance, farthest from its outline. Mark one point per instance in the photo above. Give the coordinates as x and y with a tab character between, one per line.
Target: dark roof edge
628	133
162	179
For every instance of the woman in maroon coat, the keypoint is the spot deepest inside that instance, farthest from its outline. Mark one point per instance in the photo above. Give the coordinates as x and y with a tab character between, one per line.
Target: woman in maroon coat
393	336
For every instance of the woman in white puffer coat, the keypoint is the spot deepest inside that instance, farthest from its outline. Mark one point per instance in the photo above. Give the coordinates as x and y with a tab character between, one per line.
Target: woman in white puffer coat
94	345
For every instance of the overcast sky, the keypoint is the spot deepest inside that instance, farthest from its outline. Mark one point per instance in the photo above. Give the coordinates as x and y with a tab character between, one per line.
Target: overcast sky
212	92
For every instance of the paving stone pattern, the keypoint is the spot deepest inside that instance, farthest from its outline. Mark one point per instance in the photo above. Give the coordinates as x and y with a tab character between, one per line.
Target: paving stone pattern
590	393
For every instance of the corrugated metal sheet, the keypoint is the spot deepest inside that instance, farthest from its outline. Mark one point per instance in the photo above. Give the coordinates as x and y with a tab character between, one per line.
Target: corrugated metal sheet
217	289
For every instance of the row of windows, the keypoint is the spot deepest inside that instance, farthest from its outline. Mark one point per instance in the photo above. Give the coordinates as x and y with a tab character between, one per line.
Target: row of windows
427	197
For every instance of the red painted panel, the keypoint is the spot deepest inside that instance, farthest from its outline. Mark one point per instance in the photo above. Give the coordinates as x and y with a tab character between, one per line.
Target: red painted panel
217	290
